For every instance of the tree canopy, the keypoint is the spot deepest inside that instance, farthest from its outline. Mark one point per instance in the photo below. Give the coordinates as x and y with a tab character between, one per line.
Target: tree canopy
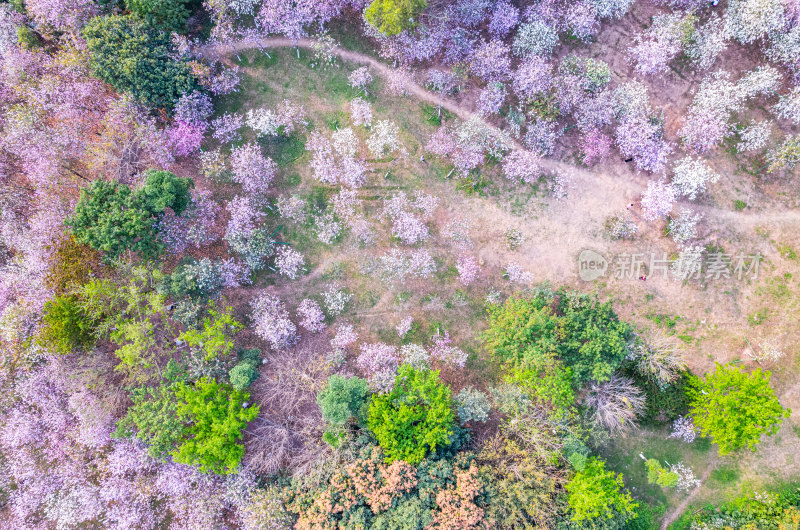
596	492
585	334
113	218
735	408
197	424
134	57
393	16
416	417
169	15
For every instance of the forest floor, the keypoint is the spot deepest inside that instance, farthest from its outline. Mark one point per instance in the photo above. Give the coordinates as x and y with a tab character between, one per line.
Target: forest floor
716	320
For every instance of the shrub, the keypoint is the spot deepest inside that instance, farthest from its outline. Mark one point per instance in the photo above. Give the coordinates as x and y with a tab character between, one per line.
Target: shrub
413	419
657	474
763	509
136	58
595	492
734	408
245	371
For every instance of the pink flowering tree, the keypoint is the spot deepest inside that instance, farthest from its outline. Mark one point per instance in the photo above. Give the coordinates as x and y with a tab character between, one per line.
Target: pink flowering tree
658	200
596	147
654	48
491	61
379	362
289	262
360	112
345	336
360	79
251	169
468	269
311	316
522	166
505	16
271	322
226	128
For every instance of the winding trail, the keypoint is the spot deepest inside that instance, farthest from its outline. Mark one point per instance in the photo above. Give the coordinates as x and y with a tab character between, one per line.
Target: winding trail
630	183
679	509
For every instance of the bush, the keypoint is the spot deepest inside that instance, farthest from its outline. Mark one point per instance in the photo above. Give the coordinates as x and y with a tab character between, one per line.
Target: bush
414	418
246	370
657	474
734	408
136	58
763	510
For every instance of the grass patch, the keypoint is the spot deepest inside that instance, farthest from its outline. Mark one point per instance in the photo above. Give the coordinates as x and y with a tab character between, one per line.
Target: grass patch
725	475
284	150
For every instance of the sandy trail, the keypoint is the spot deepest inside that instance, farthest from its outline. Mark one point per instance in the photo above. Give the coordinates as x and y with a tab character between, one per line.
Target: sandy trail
606	188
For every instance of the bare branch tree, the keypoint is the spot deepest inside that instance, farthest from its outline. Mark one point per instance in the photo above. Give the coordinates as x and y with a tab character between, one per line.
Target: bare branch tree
615	403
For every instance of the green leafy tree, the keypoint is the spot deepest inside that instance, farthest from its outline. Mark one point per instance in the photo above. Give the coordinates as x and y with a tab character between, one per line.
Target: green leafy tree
214	417
65	326
133	315
197	424
107	218
341	399
547	381
113	218
734	408
416	417
163	190
216	338
153	419
393	16
134	57
583	333
169	15
595	492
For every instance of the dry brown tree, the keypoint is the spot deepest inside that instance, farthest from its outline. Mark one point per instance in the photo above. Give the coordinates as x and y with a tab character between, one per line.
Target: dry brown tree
658	358
615	404
287	434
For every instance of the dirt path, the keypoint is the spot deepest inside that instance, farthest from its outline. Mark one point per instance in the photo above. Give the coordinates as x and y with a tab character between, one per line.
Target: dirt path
627	186
679	509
